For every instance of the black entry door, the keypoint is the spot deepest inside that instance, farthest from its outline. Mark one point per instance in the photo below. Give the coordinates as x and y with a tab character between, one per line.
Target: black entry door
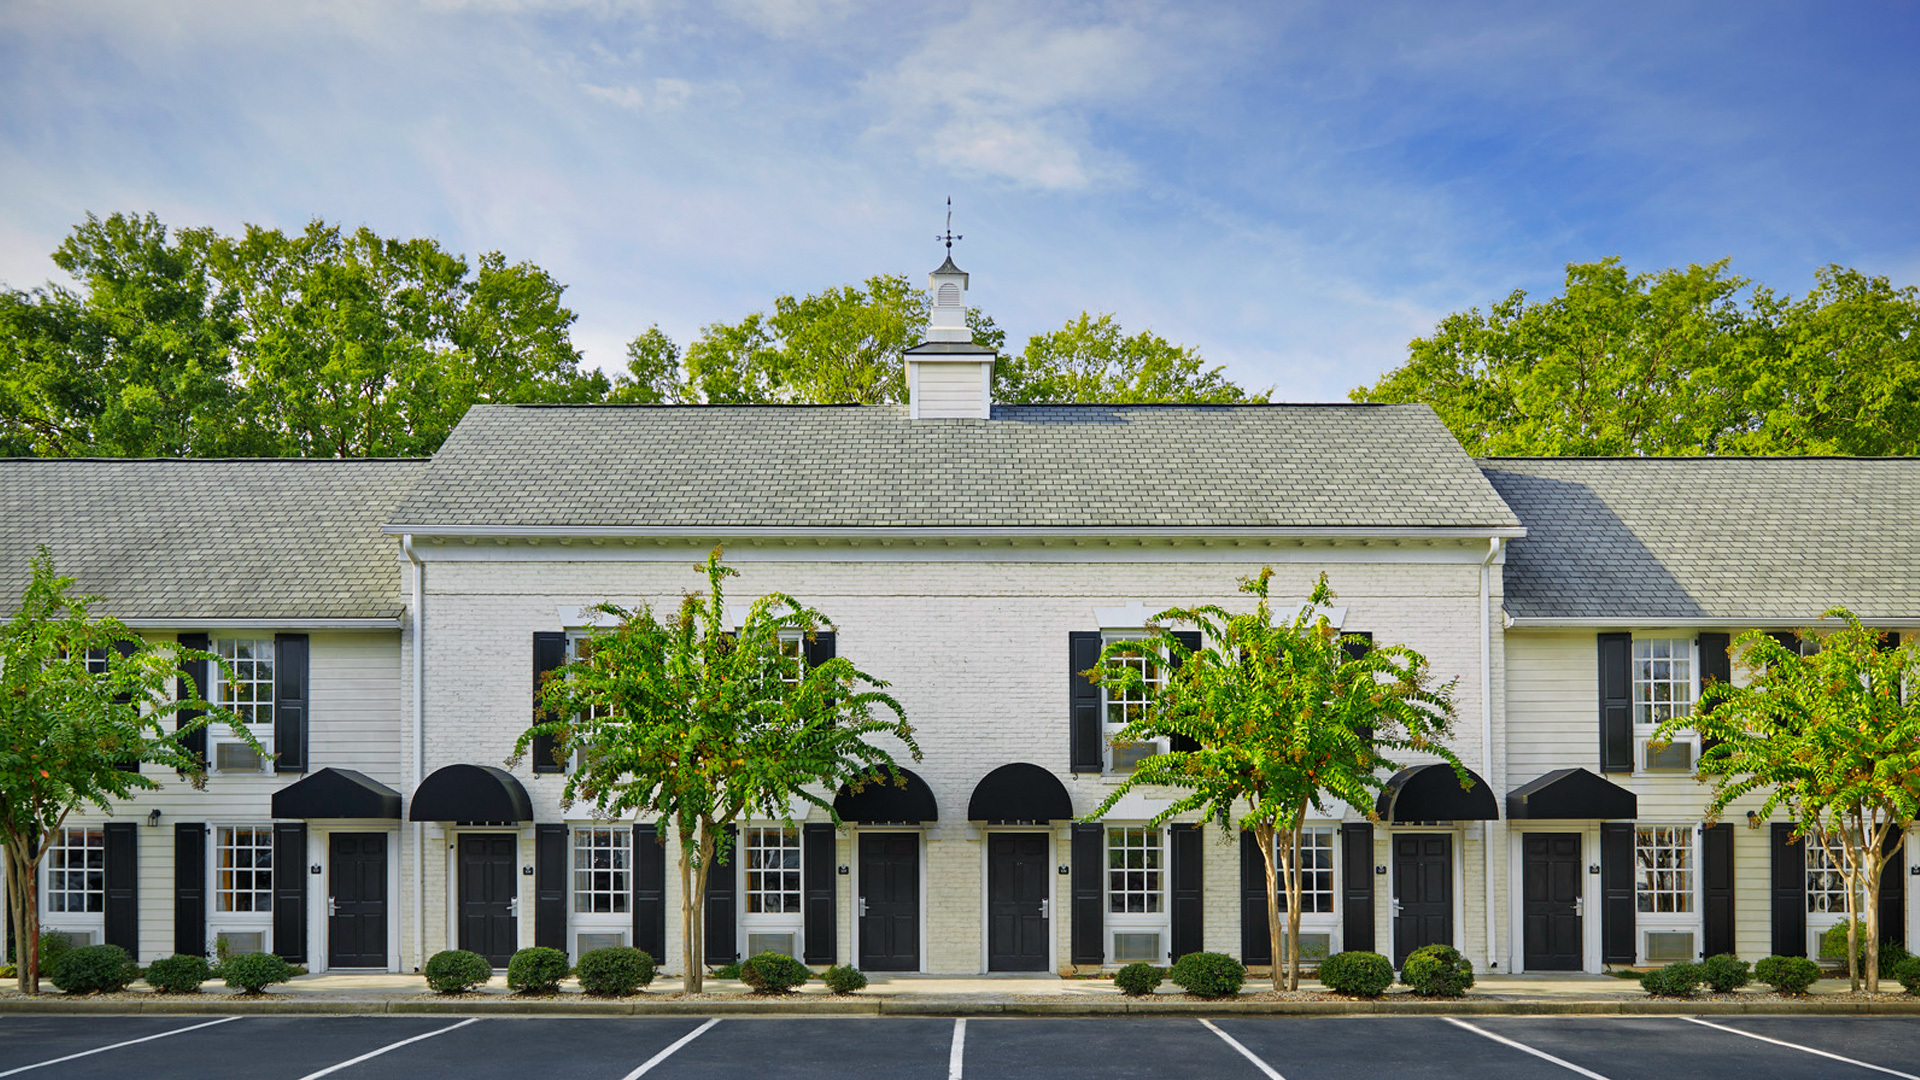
357	900
487	887
890	901
1422	891
1550	901
1017	881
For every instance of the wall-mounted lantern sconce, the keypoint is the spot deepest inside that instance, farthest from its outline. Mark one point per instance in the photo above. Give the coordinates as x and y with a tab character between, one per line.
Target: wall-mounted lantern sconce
314	869
1753	819
526	871
843	869
1593	868
153	818
1914	869
1380	871
1065	869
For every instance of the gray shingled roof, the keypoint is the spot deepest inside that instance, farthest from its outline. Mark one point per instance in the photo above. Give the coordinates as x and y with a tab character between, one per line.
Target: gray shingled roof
209	539
1046	466
1694	538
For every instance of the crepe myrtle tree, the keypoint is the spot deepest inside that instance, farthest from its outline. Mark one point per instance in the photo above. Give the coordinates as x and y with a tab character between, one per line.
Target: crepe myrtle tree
75	732
681	718
1286	718
1833	739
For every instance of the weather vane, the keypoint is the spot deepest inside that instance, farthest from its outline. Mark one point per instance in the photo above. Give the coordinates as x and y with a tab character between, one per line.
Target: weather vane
949	236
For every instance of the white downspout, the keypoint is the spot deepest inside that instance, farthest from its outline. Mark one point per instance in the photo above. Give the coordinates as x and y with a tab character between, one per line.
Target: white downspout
417	773
1486	732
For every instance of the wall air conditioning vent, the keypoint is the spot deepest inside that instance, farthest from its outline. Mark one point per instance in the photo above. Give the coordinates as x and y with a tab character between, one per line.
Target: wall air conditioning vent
1666	946
1128	754
1674	757
1131	946
778	943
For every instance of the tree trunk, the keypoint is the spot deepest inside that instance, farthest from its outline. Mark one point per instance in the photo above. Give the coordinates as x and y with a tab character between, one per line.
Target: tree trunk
1874	863
1850	871
1293	906
696	923
26	906
1263	835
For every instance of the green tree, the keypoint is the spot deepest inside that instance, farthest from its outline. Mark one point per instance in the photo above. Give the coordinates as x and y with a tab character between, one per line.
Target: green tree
1091	360
683	719
1285	719
1831	738
653	374
83	702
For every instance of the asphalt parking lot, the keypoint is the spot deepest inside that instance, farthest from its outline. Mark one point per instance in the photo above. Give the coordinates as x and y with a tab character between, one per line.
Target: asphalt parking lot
765	1048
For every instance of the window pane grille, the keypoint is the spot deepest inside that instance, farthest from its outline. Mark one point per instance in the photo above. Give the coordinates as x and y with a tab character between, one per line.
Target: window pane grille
1663	855
794	649
1124	706
1316	871
249	693
243	880
773	871
77	871
1827	881
1662	679
1134	871
600	870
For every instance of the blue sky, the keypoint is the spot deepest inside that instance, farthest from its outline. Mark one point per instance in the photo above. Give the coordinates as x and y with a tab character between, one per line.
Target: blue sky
1297	189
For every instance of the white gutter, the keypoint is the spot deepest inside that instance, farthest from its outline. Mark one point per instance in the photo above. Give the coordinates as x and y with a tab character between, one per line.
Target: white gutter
392	623
1486	732
908	532
1755	622
419	751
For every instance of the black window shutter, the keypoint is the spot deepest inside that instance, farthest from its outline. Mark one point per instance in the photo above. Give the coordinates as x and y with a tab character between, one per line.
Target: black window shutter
1189	899
1256	941
1716	665
1893	893
123	886
1088	890
1616	702
290	891
1356	890
123	649
290	702
192	683
550	886
821	649
649	892
1083	699
1790	641
1617	911
1789	892
817	861
721	906
549	654
190	888
1716	865
1190	639
1356	644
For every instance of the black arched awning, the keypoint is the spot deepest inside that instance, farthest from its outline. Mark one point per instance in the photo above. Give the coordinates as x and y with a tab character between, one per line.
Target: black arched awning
882	802
1433	793
1019	792
1572	794
471	793
337	793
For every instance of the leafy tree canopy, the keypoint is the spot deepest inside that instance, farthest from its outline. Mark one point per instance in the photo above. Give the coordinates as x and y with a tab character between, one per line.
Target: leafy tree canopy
1091	360
1676	362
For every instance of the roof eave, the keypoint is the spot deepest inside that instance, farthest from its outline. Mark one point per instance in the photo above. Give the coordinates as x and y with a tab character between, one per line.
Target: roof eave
857	532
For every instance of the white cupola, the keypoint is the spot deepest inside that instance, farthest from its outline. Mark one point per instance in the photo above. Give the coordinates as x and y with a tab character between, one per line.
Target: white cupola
948	376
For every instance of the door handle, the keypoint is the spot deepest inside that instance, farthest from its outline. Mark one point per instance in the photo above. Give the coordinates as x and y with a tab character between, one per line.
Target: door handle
1046	909
332	909
1396	907
1579	906
513	906
863	905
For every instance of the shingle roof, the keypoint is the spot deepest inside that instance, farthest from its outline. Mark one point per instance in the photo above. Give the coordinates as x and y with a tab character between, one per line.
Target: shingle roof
209	539
1046	466
1694	538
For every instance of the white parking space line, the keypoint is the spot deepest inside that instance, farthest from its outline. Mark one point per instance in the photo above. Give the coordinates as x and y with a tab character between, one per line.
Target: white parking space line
1523	1047
116	1046
349	1063
650	1063
1804	1049
959	1051
1244	1052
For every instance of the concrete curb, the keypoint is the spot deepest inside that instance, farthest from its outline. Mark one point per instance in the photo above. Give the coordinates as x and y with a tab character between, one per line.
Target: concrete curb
287	1005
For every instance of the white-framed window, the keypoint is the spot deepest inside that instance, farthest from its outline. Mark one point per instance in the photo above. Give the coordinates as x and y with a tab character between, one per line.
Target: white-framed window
602	887
1665	858
1120	707
246	690
1139	925
73	884
793	646
242	886
771	863
1319	913
1665	686
1826	880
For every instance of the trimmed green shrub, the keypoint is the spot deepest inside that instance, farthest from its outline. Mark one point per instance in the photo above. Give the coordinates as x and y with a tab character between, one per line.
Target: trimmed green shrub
727	971
842	979
1208	974
456	971
52	944
537	970
614	972
1437	971
1893	957
1726	973
1681	980
181	973
1359	974
1787	974
1909	974
252	973
773	973
1136	980
93	969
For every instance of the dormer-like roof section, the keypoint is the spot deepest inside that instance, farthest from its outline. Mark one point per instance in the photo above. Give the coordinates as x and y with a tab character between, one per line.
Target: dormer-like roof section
1339	469
176	542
